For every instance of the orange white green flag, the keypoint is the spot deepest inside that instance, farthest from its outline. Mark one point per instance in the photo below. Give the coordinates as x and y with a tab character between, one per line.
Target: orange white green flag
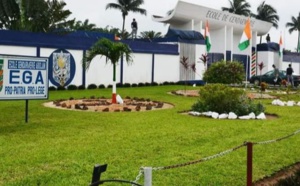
207	37
245	39
280	46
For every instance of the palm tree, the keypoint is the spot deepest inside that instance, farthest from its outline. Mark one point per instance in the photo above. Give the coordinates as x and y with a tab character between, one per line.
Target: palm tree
150	35
57	16
295	26
113	52
240	7
126	6
267	13
79	25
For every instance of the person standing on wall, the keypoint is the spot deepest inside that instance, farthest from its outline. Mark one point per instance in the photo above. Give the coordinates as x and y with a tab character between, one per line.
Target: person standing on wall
289	75
268	38
276	75
134	27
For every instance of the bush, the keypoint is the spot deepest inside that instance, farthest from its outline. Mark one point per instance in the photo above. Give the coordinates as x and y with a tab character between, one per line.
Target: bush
166	83
134	85
81	87
147	84
154	84
52	88
119	85
141	84
92	86
72	87
126	85
109	86
61	88
225	72
223	99
101	86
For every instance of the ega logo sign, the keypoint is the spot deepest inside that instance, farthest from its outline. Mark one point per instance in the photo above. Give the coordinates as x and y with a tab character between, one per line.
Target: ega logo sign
23	78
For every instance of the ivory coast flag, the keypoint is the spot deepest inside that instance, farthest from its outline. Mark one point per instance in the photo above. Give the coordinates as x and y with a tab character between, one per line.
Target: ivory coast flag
245	40
280	46
207	37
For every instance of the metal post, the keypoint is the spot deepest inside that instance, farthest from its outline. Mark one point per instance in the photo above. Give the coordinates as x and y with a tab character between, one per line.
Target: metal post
249	163
26	111
148	176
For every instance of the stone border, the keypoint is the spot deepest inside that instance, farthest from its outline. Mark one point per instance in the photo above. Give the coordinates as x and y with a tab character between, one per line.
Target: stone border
105	105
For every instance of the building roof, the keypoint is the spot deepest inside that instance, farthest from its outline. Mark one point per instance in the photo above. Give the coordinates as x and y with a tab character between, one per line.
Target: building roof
184	13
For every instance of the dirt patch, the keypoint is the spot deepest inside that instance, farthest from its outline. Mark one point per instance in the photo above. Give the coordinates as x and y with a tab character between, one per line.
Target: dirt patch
280	175
105	105
195	93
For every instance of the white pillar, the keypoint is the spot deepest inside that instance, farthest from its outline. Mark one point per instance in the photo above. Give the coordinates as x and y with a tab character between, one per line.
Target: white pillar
225	42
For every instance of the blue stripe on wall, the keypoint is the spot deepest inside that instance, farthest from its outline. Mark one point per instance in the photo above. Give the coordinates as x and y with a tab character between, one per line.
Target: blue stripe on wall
153	66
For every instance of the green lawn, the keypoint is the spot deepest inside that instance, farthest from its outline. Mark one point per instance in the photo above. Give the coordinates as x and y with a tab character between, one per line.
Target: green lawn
60	147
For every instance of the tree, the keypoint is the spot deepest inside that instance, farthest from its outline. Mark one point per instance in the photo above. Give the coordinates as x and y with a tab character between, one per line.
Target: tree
126	6
57	16
150	35
267	13
34	15
294	26
240	7
113	51
79	25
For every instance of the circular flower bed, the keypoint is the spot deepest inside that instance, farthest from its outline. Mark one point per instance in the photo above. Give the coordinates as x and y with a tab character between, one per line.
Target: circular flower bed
105	105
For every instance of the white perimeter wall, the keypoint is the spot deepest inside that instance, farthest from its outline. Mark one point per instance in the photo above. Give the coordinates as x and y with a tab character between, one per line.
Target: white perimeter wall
101	72
200	67
15	50
166	68
140	70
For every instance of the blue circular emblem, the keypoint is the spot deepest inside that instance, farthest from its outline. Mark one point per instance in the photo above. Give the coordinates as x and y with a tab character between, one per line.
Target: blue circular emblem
61	67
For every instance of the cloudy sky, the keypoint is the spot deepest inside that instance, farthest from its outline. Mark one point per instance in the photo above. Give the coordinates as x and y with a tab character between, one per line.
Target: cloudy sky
95	11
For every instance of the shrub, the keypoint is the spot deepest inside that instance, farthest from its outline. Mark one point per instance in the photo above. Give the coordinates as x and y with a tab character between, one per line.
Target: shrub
225	72
141	84
101	86
109	86
166	83
119	85
147	84
61	88
154	84
52	88
92	86
72	87
134	85
81	87
223	99
180	83
126	85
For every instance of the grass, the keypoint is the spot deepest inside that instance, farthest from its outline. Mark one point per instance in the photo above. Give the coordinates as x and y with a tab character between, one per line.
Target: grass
60	147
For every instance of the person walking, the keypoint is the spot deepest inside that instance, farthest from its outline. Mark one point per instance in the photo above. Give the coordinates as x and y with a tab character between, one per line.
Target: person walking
289	75
134	27
276	75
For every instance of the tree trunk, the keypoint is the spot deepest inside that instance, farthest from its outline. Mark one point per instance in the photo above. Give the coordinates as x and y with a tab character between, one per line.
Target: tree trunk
298	42
114	88
123	27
